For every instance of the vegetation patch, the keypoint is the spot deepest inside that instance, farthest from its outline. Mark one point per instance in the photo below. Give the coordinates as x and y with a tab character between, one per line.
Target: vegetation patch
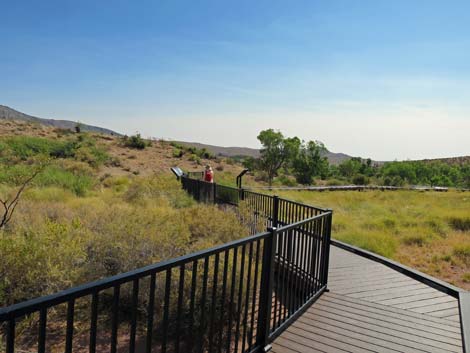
461	224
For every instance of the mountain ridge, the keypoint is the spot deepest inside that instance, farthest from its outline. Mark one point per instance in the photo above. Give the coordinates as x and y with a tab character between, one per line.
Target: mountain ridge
7	113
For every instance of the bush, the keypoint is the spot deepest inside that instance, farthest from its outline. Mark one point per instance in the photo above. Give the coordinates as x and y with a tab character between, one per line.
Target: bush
360	179
460	224
195	158
286	181
334	182
463	252
418	240
177	153
134	141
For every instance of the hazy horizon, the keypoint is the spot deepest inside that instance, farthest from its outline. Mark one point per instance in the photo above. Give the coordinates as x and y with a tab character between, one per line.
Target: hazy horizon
379	79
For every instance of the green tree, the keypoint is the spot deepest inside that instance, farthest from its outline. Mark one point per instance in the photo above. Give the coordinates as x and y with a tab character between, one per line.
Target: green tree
309	162
277	151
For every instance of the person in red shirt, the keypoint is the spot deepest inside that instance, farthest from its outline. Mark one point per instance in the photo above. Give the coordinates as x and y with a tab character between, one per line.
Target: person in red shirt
209	174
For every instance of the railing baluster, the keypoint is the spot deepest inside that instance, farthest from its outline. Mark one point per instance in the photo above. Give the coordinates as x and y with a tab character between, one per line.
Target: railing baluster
191	305
203	304
42	330
69	330
232	295
222	300
255	288
247	296
93	322
166	309
135	300
150	313
239	301
214	301
115	319
179	309
11	336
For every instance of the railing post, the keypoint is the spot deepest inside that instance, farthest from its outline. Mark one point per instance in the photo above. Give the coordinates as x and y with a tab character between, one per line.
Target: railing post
266	289
241	194
275	211
214	191
326	264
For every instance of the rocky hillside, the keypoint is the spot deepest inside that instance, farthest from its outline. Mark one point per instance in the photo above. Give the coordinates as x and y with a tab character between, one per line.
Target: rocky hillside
7	113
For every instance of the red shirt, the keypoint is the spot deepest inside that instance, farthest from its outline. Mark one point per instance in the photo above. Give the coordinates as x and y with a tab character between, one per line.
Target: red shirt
209	176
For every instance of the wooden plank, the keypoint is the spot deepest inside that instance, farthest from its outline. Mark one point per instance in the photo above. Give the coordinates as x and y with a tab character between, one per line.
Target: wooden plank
437	307
384	328
388	294
287	341
412	298
360	278
372	333
404	321
374	287
339	335
445	313
402	313
302	338
352	283
384	291
397	324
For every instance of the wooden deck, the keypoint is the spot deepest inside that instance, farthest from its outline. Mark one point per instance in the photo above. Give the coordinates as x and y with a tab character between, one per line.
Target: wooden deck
373	308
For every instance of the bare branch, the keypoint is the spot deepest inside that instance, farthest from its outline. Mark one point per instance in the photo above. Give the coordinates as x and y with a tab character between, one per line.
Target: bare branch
10	206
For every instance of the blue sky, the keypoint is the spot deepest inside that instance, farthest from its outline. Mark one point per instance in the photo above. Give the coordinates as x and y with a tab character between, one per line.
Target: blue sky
381	79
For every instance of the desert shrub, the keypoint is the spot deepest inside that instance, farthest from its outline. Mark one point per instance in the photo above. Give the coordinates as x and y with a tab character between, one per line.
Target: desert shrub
195	158
416	239
178	153
54	175
209	225
134	141
219	168
25	147
334	182
30	268
157	189
462	252
286	181
117	184
466	277
461	224
360	179
84	149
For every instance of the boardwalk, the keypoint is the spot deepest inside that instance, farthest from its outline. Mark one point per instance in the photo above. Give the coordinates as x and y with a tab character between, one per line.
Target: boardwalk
373	308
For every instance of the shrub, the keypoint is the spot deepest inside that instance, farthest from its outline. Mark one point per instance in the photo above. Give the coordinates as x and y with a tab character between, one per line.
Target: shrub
195	158
158	189
286	181
177	153
462	252
134	141
417	239
461	224
360	179
334	182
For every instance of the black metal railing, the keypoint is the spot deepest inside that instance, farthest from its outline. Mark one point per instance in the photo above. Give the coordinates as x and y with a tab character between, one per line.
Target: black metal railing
236	297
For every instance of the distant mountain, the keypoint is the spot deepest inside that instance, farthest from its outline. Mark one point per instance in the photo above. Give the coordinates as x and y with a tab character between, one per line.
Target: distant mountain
333	158
7	113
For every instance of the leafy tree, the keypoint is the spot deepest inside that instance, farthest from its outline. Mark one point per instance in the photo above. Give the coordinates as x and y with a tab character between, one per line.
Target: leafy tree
277	151
309	162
